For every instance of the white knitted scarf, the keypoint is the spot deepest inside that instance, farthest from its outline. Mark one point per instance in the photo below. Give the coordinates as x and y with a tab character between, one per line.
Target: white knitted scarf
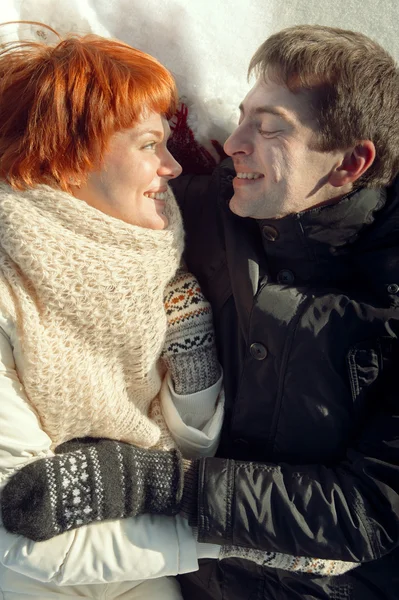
85	291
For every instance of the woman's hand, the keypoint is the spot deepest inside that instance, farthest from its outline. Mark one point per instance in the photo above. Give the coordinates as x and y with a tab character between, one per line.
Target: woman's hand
190	350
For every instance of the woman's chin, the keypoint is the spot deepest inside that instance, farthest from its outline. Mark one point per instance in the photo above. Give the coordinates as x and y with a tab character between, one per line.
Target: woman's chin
159	222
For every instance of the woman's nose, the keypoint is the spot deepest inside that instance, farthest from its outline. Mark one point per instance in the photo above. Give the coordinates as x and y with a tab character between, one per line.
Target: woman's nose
169	168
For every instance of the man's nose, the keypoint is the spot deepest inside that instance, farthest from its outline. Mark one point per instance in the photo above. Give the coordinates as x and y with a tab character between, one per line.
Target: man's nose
238	142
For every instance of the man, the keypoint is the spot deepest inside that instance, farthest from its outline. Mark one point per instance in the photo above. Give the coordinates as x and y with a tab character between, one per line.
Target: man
295	241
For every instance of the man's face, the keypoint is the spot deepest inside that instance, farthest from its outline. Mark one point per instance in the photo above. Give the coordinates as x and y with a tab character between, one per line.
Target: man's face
278	172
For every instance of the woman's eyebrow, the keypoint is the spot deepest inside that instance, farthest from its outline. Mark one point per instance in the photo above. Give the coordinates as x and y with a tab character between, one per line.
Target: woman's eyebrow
155	132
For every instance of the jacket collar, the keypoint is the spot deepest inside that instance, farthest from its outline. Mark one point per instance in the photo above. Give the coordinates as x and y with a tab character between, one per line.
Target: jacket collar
317	244
329	230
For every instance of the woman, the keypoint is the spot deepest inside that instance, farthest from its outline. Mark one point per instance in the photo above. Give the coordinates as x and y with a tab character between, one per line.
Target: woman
91	243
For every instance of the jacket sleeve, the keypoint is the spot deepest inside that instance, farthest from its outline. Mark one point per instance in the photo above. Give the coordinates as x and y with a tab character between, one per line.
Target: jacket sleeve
130	549
348	511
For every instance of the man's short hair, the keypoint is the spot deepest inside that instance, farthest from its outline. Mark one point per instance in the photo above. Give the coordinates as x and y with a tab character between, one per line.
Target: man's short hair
354	89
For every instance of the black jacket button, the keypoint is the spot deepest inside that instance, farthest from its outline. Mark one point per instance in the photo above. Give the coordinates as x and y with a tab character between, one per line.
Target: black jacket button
393	288
269	233
286	277
258	351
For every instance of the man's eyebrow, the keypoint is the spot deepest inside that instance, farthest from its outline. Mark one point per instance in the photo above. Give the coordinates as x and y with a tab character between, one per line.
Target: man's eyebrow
272	110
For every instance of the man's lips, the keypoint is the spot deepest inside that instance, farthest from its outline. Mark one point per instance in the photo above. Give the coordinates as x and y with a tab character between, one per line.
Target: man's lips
247	178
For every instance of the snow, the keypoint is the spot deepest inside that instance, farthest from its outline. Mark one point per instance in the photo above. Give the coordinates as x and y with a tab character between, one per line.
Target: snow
207	44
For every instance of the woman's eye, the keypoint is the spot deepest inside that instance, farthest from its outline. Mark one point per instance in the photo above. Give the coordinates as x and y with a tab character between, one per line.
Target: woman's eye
149	146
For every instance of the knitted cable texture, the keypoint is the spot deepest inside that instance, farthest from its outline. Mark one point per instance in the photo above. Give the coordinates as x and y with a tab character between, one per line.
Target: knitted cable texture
86	293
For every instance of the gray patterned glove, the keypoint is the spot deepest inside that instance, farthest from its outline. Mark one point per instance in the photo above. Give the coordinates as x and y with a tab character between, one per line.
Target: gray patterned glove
189	351
92	481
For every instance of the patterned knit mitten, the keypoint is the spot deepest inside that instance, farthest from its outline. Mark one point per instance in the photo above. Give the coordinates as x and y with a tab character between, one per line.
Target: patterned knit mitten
189	351
103	479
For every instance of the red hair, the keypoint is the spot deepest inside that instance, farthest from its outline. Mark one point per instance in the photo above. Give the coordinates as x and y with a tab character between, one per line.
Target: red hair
61	103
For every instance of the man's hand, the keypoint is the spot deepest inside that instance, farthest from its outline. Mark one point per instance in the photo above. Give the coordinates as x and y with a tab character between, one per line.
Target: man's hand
102	479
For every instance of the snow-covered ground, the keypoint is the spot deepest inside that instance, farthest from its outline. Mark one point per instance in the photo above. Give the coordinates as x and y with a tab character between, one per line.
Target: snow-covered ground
207	44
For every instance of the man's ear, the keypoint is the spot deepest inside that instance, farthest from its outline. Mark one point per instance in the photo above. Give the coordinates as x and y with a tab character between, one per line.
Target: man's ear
354	163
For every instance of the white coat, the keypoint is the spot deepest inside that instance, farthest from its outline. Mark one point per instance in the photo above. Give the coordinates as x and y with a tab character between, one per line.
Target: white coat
111	559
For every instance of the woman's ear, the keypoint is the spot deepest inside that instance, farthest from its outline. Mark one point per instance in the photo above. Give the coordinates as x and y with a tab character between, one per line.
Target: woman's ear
354	163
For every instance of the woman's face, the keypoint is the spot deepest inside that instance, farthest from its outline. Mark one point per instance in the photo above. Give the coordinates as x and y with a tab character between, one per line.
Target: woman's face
132	181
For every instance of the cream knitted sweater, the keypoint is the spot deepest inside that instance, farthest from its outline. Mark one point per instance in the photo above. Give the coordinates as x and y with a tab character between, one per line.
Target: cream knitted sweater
85	291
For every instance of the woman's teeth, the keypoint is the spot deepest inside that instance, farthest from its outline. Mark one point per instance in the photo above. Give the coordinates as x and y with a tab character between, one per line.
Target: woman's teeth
249	175
157	195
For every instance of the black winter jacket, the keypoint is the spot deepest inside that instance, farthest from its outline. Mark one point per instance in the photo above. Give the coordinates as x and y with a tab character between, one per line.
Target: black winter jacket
306	312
